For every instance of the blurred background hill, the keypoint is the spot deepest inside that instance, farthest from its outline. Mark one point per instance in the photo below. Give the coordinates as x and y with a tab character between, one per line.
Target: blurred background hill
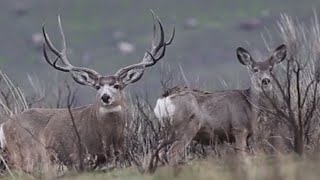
107	35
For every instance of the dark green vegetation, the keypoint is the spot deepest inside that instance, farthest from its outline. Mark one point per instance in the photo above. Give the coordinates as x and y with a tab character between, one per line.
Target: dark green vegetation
206	52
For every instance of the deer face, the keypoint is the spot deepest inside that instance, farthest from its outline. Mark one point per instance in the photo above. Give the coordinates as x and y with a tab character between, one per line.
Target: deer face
260	71
109	91
260	75
109	88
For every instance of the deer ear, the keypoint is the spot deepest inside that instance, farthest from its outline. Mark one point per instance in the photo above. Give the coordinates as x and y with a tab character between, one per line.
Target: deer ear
244	56
279	54
83	78
132	76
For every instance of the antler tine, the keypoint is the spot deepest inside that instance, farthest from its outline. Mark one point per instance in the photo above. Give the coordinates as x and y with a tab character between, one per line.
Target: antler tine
61	55
160	45
150	58
172	36
54	64
63	45
154	28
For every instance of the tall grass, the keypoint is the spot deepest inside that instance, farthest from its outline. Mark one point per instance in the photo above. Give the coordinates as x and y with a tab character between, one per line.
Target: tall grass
12	98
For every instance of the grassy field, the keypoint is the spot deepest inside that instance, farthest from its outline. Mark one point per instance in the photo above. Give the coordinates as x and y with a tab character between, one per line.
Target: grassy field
251	168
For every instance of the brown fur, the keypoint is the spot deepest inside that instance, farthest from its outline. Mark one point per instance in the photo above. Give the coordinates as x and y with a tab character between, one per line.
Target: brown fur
212	118
229	115
30	133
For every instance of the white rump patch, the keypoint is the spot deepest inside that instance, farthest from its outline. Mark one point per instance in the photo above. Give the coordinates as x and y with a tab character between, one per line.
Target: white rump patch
164	108
104	110
3	141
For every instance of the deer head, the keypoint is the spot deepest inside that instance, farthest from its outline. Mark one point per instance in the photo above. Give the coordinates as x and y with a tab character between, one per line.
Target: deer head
260	71
109	88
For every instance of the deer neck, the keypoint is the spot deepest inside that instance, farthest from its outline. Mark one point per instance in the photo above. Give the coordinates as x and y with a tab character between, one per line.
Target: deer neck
257	94
104	112
257	99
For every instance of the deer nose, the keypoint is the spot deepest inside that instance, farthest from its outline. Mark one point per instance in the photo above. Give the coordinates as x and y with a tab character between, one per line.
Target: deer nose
106	98
265	81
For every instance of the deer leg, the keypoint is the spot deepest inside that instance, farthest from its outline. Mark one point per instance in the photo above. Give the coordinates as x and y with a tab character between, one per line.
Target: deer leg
118	145
241	141
106	149
183	136
251	143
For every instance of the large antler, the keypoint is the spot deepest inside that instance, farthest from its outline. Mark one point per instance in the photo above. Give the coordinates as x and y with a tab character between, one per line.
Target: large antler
149	58
67	67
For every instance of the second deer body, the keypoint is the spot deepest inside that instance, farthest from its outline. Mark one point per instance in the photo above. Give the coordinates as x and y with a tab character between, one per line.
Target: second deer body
229	115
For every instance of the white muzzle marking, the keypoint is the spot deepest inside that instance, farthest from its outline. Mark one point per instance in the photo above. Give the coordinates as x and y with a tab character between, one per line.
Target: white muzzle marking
110	91
3	141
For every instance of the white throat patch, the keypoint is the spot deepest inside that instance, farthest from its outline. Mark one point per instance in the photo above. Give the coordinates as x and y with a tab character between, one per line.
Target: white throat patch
105	110
3	141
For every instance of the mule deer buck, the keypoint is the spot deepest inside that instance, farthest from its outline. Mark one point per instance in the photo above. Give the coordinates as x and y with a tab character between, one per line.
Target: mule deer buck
39	133
228	115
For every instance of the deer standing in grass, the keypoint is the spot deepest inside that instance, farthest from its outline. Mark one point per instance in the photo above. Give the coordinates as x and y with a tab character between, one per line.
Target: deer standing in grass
229	115
40	134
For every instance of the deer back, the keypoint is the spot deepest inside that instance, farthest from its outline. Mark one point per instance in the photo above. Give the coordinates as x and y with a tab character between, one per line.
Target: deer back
219	109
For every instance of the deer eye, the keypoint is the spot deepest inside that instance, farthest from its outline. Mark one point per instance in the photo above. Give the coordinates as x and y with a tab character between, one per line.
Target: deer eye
255	70
98	87
270	68
117	86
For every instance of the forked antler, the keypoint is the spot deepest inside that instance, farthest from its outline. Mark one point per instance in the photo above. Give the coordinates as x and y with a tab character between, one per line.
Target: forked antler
150	58
62	55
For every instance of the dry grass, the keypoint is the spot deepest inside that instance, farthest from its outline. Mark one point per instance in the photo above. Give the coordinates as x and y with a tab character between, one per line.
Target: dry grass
262	167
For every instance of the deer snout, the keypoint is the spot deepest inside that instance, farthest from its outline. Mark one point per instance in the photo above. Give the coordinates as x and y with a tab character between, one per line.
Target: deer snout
105	98
265	81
